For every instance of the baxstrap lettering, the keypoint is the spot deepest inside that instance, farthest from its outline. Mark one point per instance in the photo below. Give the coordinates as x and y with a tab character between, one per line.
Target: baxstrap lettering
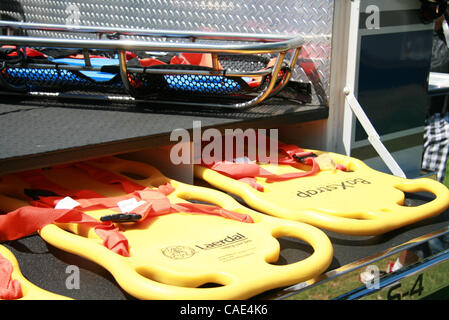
343	185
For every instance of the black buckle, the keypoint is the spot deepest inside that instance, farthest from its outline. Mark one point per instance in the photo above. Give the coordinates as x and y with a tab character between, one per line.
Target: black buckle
36	194
121	217
302	158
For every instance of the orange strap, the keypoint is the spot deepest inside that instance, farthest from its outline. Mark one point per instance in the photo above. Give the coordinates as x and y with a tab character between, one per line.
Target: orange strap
248	171
9	289
41	212
27	220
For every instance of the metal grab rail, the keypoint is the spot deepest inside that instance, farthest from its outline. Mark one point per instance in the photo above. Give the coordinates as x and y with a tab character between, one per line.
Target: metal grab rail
151	45
254	44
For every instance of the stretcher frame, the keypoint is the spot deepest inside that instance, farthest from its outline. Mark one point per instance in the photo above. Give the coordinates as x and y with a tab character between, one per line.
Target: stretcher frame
235	43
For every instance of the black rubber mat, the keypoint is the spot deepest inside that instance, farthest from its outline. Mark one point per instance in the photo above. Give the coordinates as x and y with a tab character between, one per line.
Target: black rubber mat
48	267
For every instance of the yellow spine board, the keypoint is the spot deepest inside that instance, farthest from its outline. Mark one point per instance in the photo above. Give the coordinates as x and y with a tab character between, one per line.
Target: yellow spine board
178	256
359	201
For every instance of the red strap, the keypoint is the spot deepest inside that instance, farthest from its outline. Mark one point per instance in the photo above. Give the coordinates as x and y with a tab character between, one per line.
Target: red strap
240	171
27	220
306	61
31	219
156	197
253	183
147	62
195	59
32	53
293	175
212	210
130	55
9	289
248	171
158	204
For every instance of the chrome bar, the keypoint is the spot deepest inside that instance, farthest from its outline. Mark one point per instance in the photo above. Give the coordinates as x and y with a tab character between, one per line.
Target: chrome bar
215	62
288	76
201	72
271	47
86	58
274	76
124	71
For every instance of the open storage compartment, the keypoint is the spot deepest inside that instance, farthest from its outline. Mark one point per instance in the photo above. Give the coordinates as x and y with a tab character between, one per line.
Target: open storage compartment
46	120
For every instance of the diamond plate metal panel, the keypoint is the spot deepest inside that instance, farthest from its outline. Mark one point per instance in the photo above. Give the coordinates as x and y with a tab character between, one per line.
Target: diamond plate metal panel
312	19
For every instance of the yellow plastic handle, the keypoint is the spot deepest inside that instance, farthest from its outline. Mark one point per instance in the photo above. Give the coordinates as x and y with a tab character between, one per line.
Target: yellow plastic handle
30	291
147	174
438	204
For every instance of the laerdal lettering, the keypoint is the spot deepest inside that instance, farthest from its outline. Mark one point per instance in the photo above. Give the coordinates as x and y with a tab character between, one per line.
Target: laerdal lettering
222	242
343	185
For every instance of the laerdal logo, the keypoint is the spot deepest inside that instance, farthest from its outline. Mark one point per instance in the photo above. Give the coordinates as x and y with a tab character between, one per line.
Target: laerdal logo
344	185
178	252
231	239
